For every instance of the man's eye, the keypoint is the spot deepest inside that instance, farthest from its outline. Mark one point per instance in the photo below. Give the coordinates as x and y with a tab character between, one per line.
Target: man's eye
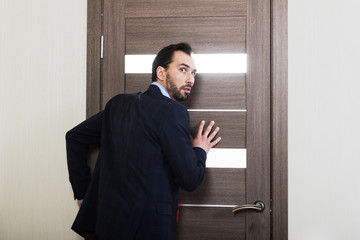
183	69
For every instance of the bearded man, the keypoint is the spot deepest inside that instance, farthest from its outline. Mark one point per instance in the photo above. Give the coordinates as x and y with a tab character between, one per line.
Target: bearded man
146	155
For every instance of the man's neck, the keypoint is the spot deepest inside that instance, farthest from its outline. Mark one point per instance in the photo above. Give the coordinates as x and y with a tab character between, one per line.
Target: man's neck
162	89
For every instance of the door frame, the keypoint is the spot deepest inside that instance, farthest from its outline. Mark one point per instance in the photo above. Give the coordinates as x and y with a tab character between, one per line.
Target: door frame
278	91
279	119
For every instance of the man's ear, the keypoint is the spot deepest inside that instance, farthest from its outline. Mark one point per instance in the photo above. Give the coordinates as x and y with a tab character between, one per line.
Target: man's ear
160	73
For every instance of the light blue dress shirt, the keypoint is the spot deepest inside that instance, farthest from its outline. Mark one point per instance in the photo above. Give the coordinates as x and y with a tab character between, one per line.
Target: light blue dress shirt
162	89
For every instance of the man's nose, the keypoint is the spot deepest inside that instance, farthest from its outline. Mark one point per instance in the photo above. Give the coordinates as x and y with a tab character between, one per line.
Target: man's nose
190	78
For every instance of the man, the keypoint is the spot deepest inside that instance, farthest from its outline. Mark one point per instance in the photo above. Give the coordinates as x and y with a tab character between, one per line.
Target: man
146	154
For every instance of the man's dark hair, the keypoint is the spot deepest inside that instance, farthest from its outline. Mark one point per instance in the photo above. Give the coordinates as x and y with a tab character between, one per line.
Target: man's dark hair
165	55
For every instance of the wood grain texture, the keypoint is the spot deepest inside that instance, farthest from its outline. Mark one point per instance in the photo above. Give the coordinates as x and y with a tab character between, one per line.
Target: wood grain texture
232	127
220	186
137	82
218	91
203	223
279	125
185	8
258	118
204	34
114	49
211	91
93	80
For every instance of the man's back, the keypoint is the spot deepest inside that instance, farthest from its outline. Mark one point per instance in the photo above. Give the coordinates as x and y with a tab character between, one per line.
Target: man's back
145	155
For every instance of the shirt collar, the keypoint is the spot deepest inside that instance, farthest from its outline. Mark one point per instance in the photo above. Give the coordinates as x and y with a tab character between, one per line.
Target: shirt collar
162	89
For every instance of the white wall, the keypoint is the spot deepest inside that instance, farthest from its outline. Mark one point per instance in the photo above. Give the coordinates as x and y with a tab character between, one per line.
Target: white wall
42	94
324	119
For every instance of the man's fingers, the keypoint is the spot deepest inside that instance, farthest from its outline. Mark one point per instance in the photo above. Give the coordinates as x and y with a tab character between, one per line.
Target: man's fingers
213	134
216	141
201	128
209	127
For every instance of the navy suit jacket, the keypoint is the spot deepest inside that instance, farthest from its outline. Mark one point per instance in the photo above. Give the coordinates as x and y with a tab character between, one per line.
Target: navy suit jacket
145	156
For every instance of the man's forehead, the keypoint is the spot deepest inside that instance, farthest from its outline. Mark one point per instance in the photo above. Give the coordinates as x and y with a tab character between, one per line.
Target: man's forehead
181	58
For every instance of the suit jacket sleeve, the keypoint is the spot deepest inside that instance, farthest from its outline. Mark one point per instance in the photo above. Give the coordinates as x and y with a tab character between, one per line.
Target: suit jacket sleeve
187	164
78	141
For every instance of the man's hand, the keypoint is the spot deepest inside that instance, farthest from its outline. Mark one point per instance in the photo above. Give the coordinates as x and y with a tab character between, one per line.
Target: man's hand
205	138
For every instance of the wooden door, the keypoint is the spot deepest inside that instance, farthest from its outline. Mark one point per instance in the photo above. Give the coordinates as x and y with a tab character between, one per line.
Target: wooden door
238	102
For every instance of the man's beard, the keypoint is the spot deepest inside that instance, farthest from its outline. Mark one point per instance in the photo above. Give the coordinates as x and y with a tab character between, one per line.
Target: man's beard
174	91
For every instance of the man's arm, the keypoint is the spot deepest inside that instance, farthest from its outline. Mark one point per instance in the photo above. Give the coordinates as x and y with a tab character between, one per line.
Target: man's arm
186	157
78	141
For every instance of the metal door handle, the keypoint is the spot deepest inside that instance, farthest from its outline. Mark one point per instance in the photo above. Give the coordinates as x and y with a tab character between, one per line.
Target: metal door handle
258	206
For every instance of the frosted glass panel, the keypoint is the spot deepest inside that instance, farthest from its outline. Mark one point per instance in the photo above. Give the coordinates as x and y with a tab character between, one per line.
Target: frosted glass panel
138	63
221	63
205	63
226	158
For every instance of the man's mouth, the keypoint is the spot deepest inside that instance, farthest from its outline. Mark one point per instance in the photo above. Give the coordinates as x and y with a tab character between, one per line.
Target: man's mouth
187	89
